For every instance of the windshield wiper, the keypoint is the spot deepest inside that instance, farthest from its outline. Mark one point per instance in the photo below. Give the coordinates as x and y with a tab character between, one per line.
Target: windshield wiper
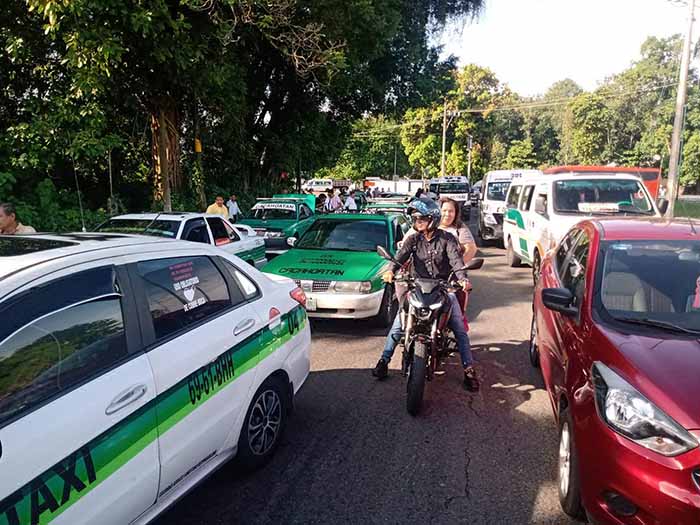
645	321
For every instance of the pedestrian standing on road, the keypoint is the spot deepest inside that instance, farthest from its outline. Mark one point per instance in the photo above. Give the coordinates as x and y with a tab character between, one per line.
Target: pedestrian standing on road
218	208
419	192
333	202
9	223
233	209
350	204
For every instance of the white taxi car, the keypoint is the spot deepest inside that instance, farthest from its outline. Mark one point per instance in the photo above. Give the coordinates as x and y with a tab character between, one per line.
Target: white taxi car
196	227
131	368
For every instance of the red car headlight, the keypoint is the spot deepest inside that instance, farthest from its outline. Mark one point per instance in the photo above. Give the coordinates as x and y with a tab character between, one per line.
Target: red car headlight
632	415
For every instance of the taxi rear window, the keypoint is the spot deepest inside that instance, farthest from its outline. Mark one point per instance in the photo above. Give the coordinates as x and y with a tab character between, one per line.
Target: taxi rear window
12	246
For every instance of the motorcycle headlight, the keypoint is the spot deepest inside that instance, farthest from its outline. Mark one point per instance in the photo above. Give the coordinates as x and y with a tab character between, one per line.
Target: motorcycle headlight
489	219
435	306
632	415
352	286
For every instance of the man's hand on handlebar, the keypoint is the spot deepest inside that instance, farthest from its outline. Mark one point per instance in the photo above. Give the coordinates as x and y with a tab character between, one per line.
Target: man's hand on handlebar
388	277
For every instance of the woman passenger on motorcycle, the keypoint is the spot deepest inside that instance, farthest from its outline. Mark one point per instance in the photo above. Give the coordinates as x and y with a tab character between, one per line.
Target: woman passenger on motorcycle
435	254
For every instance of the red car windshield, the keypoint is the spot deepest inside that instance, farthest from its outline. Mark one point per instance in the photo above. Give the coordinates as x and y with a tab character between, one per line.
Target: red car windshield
653	283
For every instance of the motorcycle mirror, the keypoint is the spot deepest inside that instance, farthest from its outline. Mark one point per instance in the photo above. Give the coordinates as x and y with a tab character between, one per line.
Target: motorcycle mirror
383	253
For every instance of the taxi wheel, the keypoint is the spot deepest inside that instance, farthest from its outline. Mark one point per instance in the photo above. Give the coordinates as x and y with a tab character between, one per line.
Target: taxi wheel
388	308
263	425
568	480
536	267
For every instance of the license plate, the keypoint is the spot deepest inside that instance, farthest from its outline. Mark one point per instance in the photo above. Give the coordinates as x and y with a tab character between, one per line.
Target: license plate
310	304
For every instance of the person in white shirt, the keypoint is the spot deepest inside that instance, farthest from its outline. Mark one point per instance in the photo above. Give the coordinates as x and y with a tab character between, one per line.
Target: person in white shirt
350	203
333	202
233	210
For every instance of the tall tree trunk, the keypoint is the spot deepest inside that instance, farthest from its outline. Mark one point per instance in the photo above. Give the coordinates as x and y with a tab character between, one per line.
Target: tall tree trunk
165	131
199	171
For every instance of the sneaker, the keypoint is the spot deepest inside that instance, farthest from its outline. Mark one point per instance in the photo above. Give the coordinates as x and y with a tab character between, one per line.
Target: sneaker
471	382
381	370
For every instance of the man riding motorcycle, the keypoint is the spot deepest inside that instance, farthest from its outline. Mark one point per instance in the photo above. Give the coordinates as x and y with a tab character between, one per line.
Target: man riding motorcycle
436	254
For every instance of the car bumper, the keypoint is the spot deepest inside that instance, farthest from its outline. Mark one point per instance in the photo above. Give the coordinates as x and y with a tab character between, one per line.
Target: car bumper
662	489
329	305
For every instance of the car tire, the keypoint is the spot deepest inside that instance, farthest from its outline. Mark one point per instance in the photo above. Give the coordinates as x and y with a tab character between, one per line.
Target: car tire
536	267
388	308
569	486
512	259
269	409
533	350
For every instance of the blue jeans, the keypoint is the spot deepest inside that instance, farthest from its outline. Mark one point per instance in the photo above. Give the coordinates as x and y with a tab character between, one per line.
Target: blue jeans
456	324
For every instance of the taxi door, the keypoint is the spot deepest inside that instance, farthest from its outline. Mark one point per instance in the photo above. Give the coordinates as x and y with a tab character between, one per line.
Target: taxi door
202	332
78	439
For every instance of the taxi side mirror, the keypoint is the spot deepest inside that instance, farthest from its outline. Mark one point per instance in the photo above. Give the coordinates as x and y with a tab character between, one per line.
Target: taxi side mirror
291	241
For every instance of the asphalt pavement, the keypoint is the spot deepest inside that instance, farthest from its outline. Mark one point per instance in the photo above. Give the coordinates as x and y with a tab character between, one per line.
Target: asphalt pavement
352	454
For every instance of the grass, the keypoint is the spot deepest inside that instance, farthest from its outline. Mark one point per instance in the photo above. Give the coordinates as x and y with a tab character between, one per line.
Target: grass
687	209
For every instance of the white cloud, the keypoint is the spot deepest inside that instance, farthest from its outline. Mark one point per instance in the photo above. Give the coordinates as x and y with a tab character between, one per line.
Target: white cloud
530	44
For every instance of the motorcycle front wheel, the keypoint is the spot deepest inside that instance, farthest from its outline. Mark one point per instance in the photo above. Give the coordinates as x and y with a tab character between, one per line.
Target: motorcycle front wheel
416	379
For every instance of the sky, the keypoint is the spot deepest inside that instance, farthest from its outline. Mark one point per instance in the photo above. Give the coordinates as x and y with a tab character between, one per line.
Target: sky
530	44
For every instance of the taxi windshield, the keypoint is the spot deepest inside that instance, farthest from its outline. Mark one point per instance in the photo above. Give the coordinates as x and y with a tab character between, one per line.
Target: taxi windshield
272	211
157	228
354	236
496	191
653	284
601	197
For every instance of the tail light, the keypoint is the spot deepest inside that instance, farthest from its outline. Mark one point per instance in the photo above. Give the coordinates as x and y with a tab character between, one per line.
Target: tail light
299	296
274	312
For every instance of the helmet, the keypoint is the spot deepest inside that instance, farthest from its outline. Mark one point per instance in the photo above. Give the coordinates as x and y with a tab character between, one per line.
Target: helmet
425	207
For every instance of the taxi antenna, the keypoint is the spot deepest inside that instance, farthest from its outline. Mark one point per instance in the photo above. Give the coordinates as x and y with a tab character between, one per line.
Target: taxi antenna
77	186
692	226
154	220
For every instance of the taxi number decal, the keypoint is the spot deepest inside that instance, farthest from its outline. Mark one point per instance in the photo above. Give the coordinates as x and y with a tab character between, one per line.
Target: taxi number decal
313	271
210	378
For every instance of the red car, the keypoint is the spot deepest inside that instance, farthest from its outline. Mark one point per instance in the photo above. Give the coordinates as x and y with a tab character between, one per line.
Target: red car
616	330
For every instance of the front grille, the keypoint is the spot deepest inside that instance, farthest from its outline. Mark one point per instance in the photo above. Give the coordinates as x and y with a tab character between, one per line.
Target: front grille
498	217
316	286
696	477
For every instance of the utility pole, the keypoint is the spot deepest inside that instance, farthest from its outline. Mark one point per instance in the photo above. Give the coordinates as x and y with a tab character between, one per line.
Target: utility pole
673	163
469	161
444	139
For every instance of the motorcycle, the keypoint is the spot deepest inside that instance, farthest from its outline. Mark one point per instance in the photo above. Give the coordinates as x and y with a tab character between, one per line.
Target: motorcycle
424	313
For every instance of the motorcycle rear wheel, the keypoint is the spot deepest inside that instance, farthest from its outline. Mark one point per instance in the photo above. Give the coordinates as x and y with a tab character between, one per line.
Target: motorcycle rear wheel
415	386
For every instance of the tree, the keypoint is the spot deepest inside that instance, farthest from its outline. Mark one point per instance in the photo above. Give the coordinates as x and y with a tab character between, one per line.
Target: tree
521	155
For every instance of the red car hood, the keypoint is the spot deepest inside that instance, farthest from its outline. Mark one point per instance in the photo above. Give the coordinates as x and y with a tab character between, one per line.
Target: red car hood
666	371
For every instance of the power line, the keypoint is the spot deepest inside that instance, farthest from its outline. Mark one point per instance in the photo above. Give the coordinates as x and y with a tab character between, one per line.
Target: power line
526	105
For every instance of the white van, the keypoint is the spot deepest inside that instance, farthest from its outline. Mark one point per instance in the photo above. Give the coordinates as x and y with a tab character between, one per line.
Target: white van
492	205
318	185
455	188
540	209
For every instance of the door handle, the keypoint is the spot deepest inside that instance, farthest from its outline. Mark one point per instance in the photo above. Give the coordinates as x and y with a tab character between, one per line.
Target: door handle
243	326
127	397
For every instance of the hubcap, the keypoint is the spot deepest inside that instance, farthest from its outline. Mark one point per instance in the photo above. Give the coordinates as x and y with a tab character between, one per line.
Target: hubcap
564	460
265	422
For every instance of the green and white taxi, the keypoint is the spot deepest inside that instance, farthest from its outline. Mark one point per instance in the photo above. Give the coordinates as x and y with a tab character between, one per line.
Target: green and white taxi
281	217
131	368
195	227
336	264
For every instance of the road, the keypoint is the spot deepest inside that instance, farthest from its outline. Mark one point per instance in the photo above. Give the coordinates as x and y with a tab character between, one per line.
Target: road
351	453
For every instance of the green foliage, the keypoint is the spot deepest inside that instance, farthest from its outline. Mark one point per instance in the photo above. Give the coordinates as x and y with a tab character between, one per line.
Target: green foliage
521	155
